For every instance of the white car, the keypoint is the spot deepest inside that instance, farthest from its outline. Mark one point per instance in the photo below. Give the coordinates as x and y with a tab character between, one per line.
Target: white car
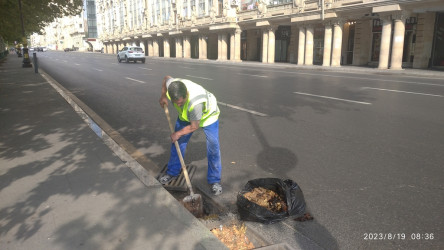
131	53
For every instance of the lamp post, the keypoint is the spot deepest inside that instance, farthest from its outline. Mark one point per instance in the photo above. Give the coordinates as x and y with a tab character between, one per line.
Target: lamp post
26	61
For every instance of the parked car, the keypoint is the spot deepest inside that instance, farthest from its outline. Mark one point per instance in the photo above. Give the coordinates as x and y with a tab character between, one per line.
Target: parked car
41	49
71	49
131	53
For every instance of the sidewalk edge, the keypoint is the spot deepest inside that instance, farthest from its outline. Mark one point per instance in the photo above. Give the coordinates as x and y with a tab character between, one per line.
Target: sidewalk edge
146	176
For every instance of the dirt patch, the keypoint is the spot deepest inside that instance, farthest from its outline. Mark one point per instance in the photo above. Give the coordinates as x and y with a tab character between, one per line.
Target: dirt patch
233	236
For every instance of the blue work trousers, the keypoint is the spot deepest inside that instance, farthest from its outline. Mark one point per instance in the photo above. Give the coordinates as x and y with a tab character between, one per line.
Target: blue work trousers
213	151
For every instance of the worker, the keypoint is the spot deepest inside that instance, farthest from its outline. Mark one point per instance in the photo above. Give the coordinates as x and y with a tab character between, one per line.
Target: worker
196	108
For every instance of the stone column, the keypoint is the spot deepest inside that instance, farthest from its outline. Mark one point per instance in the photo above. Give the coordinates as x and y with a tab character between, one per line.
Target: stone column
224	46
200	47
179	47
219	47
385	42
150	48
271	44
337	44
301	45
166	47
237	42
398	42
232	46
327	45
186	47
156	47
309	45
265	46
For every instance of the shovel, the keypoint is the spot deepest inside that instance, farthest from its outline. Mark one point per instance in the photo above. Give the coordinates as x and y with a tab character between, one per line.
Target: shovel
193	202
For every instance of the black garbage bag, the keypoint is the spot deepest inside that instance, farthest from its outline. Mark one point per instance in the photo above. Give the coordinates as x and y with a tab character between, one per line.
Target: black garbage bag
288	190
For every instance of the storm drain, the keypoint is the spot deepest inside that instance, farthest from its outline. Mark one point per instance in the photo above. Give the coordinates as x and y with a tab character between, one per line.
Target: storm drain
180	183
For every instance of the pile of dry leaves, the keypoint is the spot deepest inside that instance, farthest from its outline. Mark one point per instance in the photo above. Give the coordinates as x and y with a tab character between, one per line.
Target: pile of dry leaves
267	198
233	237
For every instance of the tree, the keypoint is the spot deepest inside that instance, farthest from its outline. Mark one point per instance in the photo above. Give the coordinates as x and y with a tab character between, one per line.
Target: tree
37	14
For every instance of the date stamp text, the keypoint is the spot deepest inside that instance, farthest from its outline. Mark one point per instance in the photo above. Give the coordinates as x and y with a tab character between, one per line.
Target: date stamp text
398	236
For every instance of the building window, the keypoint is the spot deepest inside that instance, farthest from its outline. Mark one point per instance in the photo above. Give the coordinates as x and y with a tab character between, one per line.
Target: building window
122	15
201	9
184	10
166	10
140	13
220	7
249	4
131	14
91	18
279	2
157	11
192	4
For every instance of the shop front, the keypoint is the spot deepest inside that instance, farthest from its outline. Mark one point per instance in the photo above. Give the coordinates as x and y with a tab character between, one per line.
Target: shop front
409	42
283	34
438	43
318	44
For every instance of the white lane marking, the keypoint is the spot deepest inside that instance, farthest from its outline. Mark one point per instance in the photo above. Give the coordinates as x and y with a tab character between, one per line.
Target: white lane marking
242	109
97	69
373	79
333	98
134	80
251	75
145	68
77	64
186	67
295	71
64	61
289	71
201	77
399	91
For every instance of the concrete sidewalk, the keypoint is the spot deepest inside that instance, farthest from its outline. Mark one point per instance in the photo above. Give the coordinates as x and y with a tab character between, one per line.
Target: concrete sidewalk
61	187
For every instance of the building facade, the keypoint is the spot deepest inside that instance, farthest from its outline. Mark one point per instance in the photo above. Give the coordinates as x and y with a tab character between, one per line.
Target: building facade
388	34
72	32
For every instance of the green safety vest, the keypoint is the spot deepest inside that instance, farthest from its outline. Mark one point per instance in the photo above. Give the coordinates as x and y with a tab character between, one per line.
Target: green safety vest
196	95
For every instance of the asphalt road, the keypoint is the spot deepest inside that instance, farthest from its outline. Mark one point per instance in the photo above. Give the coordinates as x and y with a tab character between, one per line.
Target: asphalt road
366	149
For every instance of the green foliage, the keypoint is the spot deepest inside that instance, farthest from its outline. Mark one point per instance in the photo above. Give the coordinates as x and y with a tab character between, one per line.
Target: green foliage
37	14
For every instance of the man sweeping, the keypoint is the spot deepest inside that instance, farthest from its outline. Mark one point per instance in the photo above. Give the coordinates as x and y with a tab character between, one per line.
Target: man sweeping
196	108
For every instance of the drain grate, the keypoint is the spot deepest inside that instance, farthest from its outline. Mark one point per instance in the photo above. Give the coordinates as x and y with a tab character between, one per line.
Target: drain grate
180	183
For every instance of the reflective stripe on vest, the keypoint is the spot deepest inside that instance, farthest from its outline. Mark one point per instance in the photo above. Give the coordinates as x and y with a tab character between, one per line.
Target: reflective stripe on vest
196	95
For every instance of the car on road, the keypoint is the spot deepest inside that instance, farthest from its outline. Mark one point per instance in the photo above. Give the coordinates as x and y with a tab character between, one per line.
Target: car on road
131	53
41	49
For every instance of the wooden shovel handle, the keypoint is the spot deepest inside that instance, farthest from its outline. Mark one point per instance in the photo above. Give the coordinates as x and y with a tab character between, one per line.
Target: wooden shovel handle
182	163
